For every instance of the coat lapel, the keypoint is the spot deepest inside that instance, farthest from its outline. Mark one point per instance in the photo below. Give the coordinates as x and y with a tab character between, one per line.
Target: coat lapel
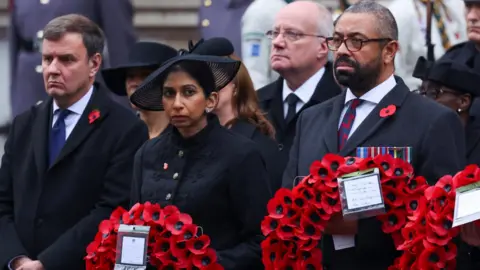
41	127
331	127
473	135
374	121
275	108
99	102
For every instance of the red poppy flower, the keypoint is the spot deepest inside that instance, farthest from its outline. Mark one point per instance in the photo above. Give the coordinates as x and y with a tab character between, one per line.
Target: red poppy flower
299	202
469	175
331	205
326	169
176	223
432	258
276	208
116	216
434	238
310	259
152	213
441	226
388	111
412	235
198	245
162	246
416	185
446	183
170	210
179	250
399	169
269	225
287	262
413	203
406	261
205	260
134	215
93	116
393	220
304	192
392	196
309	230
285	196
285	232
308	244
352	164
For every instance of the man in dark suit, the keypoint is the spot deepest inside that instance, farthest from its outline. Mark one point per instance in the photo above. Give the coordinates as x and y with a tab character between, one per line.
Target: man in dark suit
299	55
364	63
27	19
68	161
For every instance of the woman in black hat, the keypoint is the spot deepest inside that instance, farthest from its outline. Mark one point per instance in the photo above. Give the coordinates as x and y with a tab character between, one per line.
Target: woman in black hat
144	58
207	171
238	108
455	85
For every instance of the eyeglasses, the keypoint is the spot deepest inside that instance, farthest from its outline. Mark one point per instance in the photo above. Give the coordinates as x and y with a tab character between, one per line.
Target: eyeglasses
289	35
434	93
352	44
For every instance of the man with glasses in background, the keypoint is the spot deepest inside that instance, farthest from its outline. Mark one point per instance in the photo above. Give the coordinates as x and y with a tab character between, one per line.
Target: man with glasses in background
299	54
365	44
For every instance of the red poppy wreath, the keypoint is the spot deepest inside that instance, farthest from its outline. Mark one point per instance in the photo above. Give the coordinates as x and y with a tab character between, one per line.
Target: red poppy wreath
174	242
297	218
429	234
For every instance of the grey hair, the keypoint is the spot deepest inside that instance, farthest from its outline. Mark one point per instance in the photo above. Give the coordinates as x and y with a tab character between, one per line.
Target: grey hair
386	23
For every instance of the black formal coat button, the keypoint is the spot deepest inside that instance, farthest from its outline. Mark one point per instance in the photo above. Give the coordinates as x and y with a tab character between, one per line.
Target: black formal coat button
280	147
168	197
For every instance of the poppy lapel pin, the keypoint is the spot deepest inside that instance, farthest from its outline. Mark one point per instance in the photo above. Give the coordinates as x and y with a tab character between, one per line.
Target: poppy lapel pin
93	116
388	111
165	166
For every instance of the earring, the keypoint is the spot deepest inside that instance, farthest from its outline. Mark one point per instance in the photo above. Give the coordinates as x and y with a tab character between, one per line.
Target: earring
208	110
459	110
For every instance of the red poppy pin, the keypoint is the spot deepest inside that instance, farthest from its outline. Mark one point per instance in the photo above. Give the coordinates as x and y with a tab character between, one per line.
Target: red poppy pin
93	116
388	111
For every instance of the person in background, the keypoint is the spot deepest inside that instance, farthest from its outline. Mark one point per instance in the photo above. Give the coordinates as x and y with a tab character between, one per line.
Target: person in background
256	21
25	34
209	172
144	58
223	19
448	29
455	85
238	109
68	162
364	63
300	56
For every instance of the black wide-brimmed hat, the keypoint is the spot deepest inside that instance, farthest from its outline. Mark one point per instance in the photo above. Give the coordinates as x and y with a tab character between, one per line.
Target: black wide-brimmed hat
142	55
455	75
217	46
422	68
212	73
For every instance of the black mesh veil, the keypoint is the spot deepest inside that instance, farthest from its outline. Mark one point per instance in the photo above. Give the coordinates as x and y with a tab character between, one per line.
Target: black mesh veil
148	95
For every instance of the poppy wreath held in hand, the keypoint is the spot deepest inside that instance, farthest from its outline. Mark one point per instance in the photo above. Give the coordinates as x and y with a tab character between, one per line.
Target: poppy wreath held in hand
429	234
297	218
174	242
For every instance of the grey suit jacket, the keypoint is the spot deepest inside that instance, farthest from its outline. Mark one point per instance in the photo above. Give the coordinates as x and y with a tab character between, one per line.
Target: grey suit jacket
434	132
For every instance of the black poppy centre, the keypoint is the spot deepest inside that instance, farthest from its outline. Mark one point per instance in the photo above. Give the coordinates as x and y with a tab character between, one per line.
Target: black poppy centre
156	216
279	209
188	235
331	201
434	258
206	261
334	166
287	200
314	216
398	172
198	244
413	205
299	202
412	184
392	219
447	188
391	196
385	165
273	224
350	161
178	226
323	172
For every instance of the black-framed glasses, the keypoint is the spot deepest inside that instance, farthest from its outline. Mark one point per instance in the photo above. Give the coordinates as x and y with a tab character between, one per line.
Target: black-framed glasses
289	35
352	44
434	93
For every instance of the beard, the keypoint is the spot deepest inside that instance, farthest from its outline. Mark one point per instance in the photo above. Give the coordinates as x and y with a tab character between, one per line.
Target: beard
362	78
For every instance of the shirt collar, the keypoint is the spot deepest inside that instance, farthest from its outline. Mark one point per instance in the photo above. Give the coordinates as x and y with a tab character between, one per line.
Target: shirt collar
79	106
376	94
306	90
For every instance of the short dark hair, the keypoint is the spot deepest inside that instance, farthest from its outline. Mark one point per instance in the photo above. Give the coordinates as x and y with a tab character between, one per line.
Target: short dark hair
92	34
386	26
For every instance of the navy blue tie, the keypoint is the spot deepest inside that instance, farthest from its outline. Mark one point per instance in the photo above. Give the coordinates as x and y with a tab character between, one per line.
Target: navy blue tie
57	136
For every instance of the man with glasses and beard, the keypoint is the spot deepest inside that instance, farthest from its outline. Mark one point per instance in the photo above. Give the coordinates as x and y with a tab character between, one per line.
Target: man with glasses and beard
364	44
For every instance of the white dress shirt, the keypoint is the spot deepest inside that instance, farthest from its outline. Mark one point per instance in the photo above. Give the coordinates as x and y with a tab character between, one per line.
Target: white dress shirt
370	100
304	92
76	111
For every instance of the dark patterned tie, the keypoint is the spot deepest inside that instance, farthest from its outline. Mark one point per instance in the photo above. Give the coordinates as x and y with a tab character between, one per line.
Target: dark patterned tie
57	136
292	101
347	122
